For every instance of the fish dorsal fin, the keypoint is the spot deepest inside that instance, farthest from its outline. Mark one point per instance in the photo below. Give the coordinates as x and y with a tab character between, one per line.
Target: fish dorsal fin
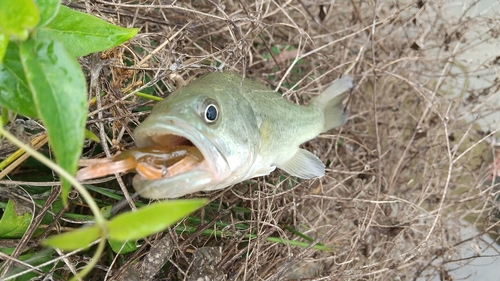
304	165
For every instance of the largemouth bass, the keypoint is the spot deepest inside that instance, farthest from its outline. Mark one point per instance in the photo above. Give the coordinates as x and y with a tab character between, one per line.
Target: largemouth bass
242	129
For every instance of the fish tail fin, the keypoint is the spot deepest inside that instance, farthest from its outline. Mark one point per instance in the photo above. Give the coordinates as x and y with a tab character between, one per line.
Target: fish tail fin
330	102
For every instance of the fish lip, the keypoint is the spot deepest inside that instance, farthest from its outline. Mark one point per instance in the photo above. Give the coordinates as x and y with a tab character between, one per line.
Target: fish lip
193	181
165	125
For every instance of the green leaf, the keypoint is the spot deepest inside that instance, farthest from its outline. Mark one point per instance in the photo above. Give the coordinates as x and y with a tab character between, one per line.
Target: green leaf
5	117
151	219
32	258
59	92
15	221
48	218
121	247
76	239
83	33
15	93
48	10
91	136
4	41
17	18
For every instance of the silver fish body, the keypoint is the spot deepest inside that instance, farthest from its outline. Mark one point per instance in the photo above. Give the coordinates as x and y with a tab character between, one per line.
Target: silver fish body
242	128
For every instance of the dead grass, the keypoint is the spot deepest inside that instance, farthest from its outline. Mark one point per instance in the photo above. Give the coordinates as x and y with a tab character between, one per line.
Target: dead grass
405	172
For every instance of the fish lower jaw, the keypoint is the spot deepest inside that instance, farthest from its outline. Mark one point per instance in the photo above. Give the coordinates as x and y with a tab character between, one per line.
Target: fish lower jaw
175	184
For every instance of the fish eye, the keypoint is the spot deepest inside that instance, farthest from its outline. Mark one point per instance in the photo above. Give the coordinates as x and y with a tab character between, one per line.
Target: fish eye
208	109
211	113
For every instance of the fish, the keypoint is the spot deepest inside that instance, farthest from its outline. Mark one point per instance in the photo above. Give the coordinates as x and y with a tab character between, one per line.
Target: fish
242	129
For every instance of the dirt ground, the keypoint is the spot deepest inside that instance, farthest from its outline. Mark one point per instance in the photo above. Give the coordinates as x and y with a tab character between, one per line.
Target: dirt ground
404	175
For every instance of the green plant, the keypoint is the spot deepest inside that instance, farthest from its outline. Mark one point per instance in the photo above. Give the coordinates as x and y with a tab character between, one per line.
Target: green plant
41	78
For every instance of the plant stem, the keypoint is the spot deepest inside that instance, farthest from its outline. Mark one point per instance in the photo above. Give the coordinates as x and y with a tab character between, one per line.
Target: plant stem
93	261
98	217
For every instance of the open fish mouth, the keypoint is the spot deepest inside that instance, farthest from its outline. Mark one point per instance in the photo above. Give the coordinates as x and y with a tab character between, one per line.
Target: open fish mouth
164	131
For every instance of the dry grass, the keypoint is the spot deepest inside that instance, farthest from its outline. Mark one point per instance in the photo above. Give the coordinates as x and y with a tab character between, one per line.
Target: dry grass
406	171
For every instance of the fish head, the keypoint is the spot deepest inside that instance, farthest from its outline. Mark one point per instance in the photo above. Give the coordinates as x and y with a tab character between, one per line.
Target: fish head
212	115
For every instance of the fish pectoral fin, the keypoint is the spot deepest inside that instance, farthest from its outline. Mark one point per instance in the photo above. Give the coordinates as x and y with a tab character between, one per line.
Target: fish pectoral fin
304	165
264	171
